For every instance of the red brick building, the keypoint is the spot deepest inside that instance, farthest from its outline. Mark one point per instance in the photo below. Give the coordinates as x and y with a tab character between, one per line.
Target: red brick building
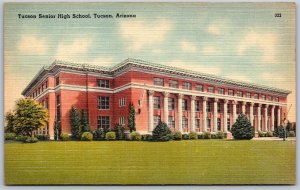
186	100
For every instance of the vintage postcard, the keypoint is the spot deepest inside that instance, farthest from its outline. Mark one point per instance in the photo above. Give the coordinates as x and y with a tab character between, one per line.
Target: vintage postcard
149	93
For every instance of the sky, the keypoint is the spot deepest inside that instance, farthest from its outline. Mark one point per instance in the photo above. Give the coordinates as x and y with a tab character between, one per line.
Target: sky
241	41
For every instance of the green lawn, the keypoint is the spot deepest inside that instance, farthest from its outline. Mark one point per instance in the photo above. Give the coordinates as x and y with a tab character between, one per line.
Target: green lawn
176	162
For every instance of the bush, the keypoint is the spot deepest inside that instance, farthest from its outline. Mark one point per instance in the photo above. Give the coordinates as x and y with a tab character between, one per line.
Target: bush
65	137
119	129
242	128
21	138
185	137
292	134
161	132
261	134
43	137
99	134
110	136
201	136
193	135
269	134
220	135
207	135
177	136
214	136
135	136
146	137
87	136
9	136
282	132
31	140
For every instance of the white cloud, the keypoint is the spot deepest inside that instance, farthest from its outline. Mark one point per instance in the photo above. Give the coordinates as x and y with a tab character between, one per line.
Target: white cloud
209	50
79	46
188	47
265	41
140	34
213	29
239	77
32	45
102	61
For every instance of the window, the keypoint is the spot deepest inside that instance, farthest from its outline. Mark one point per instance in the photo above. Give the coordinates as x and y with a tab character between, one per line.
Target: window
197	123
171	122
173	83
277	99
156	103
57	81
208	123
103	102
239	93
219	124
263	97
171	103
237	108
256	96
45	103
184	122
103	83
248	95
187	86
158	81
58	111
122	120
122	102
184	105
221	91
199	87
228	108
211	89
103	122
208	107
228	124
230	92
46	84
271	98
156	120
219	107
197	105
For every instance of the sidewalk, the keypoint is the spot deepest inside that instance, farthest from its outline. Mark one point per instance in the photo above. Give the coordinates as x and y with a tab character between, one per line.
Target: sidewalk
274	138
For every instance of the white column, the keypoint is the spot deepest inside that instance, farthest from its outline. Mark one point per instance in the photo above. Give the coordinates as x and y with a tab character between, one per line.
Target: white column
233	111
272	118
193	113
278	117
244	107
166	109
204	115
180	112
225	116
150	110
215	115
266	117
251	113
259	117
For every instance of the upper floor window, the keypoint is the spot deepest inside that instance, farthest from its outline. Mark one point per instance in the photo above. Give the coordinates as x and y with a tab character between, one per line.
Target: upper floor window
187	86
57	81
122	102
199	87
173	83
197	105
256	96
228	108
211	89
156	102
103	102
230	92
219	107
103	83
240	93
208	107
277	99
184	104
122	120
271	98
158	81
221	91
263	97
248	94
171	103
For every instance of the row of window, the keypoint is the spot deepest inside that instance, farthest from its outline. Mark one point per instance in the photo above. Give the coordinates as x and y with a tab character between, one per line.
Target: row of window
103	102
104	121
210	89
40	90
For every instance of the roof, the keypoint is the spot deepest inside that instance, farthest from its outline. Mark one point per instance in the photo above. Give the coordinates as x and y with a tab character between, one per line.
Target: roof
144	64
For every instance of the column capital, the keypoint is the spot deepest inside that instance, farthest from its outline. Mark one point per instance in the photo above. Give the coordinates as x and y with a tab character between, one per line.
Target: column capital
233	102
267	105
259	105
243	103
180	96
166	94
216	99
205	98
252	103
151	92
193	97
273	107
225	101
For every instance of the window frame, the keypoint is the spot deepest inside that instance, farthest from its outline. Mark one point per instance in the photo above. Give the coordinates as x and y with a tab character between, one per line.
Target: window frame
105	100
158	81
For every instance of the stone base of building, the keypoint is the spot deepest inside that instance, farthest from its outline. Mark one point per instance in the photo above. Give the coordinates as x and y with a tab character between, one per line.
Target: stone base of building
228	135
256	134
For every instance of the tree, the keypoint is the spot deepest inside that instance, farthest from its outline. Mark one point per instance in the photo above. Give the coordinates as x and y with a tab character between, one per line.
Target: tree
85	126
131	118
119	129
29	116
242	128
282	133
9	117
56	130
75	123
161	132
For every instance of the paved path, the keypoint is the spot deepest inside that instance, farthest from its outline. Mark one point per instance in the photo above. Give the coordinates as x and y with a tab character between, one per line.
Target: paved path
275	138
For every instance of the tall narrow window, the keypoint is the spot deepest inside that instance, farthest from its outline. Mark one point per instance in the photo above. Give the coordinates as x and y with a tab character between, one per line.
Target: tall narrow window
197	123
197	105
219	107
103	102
237	109
171	122
228	124
263	97
219	124
122	120
248	95
57	81
58	111
122	102
208	107
184	104
184	123
103	122
208	122
277	99
171	103
228	108
156	120
156	102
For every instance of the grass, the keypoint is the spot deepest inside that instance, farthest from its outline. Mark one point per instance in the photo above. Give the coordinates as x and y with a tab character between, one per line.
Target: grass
175	162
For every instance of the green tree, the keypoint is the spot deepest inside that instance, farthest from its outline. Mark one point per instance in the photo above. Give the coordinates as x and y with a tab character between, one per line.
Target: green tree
29	116
242	128
56	130
9	117
161	132
119	129
282	133
85	126
131	118
75	123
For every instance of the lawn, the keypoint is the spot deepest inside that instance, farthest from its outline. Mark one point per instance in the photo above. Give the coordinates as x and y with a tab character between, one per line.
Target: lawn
175	162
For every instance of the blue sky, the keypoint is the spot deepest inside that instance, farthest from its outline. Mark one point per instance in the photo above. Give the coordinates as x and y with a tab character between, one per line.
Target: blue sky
238	41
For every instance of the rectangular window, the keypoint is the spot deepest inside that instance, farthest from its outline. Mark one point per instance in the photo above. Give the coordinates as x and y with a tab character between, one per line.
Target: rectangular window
171	103
184	122
237	109
103	102
173	83
122	102
228	124
57	81
156	120
208	122
197	123
277	99
46	84
221	91
156	102
158	81
248	95
122	120
219	107
256	96
184	105
271	98
187	86
103	83
45	104
239	93
199	87
208	107
211	89
58	111
103	122
228	108
230	92
197	105
219	124
171	122
263	97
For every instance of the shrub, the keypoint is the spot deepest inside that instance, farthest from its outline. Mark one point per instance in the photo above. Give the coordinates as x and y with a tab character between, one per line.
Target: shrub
185	137
119	129
146	137
282	132
214	136
110	136
65	137
292	134
201	136
9	136
99	134
220	135
135	136
21	138
193	135
261	134
177	136
43	137
161	132
31	140
87	136
207	135
269	134
242	128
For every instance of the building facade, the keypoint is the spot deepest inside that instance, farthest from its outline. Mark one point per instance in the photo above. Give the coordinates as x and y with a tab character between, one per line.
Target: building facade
185	100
